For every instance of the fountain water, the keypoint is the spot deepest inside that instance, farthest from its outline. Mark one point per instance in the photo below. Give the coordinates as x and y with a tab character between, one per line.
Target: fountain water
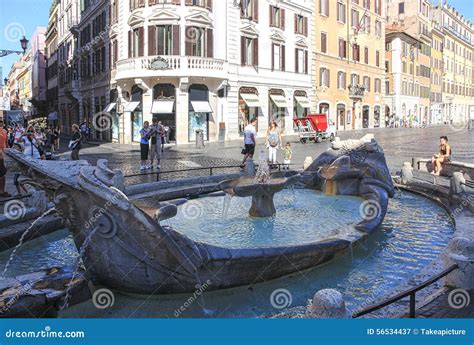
225	208
263	172
82	250
22	239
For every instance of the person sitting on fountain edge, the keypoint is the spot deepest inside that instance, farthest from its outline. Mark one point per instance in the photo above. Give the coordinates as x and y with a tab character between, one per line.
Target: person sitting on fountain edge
250	140
444	155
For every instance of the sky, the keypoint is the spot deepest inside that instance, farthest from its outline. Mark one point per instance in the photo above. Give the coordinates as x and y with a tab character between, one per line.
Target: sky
21	17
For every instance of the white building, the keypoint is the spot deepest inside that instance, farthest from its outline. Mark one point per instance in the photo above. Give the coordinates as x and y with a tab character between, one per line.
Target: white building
209	65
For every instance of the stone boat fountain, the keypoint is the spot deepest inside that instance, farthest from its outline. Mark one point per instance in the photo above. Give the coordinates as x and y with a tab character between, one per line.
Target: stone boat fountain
131	250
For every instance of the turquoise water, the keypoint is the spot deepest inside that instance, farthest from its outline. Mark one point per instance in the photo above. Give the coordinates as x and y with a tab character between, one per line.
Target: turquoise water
414	234
302	216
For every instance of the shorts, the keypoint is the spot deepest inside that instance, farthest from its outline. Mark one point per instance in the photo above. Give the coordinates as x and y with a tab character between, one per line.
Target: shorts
3	169
287	161
155	152
144	151
249	149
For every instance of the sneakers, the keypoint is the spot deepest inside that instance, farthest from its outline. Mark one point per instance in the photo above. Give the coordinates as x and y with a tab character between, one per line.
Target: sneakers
158	166
143	167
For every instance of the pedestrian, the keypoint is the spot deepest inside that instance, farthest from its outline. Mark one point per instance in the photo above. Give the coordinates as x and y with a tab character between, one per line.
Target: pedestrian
162	133
273	142
145	145
3	170
155	143
56	135
75	143
444	155
250	140
287	155
30	144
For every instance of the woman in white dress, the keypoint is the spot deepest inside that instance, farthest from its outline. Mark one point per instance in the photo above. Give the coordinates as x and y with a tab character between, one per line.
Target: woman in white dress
30	144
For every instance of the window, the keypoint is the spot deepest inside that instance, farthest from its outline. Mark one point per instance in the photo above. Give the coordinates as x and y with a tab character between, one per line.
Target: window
378	7
377	58
324	77
133	4
277	17
249	10
341	80
323	42
366	4
366	55
401	8
278	57
198	41
354	18
249	51
342	48
135	42
355	52
367	83
324	7
160	40
366	24
354	79
378	28
301	25
301	61
199	3
378	85
404	88
341	12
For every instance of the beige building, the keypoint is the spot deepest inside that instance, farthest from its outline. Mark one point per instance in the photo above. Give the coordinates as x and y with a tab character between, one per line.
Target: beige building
437	71
349	61
458	50
413	18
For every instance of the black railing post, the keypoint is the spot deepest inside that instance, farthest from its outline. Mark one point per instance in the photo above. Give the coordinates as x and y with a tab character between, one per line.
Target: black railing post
157	177
210	171
413	305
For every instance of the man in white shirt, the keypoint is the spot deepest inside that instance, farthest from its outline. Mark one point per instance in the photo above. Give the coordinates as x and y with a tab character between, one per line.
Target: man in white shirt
250	140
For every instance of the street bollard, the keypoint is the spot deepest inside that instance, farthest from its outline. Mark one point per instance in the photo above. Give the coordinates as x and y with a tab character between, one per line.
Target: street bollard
199	139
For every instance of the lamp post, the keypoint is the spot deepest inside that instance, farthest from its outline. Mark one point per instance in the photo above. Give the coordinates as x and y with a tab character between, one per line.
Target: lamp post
24	45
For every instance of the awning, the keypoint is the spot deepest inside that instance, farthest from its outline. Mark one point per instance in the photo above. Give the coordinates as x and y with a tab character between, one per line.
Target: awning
131	106
251	99
303	101
162	107
110	107
201	107
279	100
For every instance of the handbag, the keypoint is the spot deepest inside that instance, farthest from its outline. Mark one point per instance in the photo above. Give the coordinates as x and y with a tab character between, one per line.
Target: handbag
244	151
72	144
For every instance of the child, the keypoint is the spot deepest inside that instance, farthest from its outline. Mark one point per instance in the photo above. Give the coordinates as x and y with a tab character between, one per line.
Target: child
287	153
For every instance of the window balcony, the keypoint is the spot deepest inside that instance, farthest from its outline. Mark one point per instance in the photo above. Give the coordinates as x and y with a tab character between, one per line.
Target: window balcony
171	66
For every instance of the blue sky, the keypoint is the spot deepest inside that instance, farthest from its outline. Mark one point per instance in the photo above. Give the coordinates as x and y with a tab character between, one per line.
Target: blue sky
23	16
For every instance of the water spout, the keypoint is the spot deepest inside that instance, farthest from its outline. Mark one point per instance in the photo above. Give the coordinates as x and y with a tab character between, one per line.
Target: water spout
22	239
263	172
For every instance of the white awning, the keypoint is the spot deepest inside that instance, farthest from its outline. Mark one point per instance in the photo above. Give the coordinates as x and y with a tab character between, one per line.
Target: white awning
201	107
131	106
110	107
162	107
303	101
279	100
251	99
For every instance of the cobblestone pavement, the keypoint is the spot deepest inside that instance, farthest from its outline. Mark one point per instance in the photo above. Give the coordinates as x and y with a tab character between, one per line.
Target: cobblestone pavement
399	144
440	308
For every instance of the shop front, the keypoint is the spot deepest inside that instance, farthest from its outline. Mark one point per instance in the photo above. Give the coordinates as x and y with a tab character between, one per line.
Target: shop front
199	111
377	116
341	117
365	116
301	104
164	109
135	108
249	104
111	111
278	107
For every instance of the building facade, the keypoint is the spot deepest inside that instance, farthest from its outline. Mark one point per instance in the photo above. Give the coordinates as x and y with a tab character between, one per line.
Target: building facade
458	50
403	92
51	53
437	72
209	66
349	62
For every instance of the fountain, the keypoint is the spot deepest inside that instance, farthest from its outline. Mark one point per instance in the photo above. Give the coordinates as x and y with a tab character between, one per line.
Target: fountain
129	236
261	187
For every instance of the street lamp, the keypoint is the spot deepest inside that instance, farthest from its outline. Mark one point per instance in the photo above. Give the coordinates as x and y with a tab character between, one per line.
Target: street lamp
5	81
24	45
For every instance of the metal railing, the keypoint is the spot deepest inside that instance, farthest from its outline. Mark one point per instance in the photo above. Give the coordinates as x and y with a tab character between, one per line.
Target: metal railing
210	169
410	292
